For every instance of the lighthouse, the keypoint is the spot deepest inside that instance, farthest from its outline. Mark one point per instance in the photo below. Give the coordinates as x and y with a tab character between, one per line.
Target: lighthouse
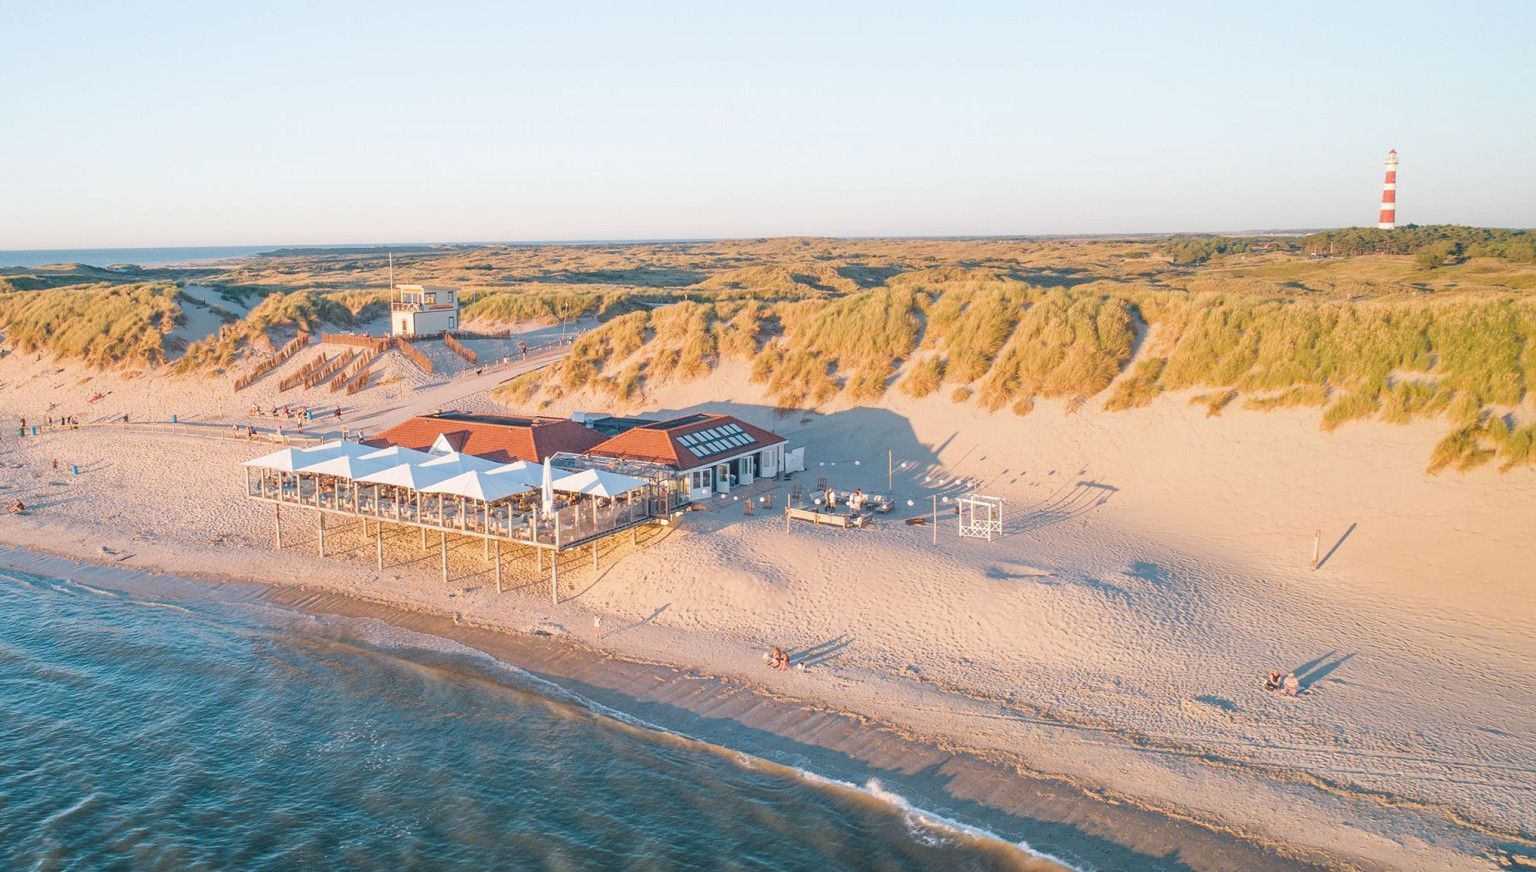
1388	218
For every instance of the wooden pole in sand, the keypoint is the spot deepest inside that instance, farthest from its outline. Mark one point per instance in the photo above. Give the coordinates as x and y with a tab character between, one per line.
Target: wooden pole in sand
498	566
320	522
554	577
277	525
443	543
378	544
1317	540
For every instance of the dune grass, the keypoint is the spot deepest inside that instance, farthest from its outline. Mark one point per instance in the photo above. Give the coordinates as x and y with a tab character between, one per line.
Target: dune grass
101	325
271	322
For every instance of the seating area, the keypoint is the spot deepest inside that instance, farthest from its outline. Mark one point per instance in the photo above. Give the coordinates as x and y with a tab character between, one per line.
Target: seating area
547	505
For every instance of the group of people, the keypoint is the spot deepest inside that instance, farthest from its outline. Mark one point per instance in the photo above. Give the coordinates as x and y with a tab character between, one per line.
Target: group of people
1290	685
856	500
289	412
778	659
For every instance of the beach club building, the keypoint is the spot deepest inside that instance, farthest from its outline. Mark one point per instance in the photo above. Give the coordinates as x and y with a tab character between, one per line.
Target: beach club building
550	484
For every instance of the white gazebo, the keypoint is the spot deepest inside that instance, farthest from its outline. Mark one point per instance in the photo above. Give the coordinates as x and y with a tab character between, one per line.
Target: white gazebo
599	483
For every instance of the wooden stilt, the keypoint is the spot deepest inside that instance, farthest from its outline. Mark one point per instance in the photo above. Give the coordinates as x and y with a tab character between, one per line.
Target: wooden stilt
378	544
320	522
498	566
443	541
554	577
423	538
485	548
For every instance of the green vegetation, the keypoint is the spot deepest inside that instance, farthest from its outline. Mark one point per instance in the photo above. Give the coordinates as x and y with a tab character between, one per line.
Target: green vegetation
1419	323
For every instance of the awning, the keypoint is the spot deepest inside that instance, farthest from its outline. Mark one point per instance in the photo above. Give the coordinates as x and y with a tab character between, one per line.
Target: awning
478	486
399	454
520	471
407	475
462	463
343	466
290	459
598	483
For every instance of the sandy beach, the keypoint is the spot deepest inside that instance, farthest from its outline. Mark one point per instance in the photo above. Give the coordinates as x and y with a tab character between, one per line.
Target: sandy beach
1097	667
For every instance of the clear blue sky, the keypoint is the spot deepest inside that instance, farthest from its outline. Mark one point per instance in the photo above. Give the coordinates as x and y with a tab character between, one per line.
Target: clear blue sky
220	123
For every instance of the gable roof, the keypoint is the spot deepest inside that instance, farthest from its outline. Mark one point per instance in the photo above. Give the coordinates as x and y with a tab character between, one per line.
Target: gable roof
688	442
503	438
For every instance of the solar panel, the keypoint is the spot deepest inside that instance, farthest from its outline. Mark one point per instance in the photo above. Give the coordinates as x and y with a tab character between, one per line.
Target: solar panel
732	428
696	452
686	440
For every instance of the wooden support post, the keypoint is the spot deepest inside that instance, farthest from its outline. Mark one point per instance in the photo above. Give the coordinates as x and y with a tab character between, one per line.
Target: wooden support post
320	521
485	548
498	566
554	577
443	541
1317	541
378	544
423	537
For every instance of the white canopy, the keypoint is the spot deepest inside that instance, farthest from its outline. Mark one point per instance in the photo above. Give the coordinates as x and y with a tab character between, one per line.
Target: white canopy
399	454
522	471
408	475
462	462
343	466
478	486
290	459
352	449
598	483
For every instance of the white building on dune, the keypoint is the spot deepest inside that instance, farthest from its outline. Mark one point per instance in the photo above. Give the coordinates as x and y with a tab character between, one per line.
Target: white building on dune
424	311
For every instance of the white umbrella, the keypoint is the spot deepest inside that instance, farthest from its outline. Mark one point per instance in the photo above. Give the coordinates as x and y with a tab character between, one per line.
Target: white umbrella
290	459
352	449
478	486
399	454
548	487
407	475
342	466
521	470
598	483
462	463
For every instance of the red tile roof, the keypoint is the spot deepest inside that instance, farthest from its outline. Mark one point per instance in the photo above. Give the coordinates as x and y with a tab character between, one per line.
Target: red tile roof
662	441
495	437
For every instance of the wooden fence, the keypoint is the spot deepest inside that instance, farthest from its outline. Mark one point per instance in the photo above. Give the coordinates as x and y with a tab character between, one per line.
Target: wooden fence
359	340
416	357
458	348
304	372
289	350
336	365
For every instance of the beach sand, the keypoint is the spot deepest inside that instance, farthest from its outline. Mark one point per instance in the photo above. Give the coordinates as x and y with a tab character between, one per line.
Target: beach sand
1100	661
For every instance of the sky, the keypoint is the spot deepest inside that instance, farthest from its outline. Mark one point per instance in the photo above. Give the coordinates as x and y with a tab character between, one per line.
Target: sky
331	122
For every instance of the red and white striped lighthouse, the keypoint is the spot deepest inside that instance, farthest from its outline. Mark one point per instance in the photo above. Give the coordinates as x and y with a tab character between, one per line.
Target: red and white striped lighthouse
1389	194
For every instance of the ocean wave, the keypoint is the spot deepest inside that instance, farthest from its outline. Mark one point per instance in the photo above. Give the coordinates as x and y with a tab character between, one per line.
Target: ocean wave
923	825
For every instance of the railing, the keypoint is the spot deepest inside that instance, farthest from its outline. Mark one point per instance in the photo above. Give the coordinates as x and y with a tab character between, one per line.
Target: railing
360	340
518	521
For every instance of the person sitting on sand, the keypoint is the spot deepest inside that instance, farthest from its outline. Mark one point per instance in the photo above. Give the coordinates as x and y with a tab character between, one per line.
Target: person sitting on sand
1292	686
17	508
780	660
1273	681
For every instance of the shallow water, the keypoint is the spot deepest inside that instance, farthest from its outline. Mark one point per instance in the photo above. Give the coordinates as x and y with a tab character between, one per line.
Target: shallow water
189	733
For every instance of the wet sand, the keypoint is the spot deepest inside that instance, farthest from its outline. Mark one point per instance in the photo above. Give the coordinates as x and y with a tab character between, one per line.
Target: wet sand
1090	829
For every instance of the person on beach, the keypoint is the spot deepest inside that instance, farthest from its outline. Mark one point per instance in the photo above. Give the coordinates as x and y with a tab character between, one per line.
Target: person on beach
597	626
1292	686
779	660
17	508
338	413
1272	683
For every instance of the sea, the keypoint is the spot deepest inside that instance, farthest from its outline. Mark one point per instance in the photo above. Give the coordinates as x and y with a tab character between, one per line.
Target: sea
103	257
184	731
